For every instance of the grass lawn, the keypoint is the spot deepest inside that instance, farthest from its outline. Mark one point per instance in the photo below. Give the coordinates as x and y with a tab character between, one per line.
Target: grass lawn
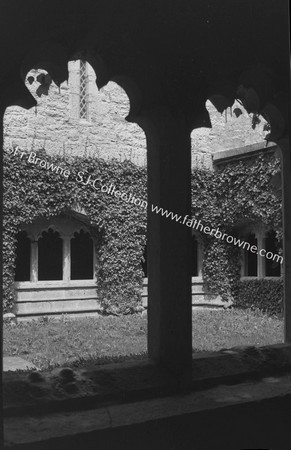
75	341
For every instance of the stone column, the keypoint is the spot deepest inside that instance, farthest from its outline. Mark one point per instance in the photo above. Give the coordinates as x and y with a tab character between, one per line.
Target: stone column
34	262
261	269
286	191
169	243
66	258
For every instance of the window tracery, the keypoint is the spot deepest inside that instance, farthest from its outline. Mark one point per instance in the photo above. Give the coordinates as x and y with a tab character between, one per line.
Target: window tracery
258	266
54	253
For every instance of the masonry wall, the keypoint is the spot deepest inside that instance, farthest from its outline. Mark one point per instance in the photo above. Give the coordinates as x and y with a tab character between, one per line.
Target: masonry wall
55	125
228	132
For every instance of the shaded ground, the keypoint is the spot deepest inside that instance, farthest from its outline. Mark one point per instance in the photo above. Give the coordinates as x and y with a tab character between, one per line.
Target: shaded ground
263	425
72	342
253	414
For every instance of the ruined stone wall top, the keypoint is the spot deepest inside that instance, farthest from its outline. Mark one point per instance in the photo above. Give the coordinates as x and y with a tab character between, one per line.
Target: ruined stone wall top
229	130
56	126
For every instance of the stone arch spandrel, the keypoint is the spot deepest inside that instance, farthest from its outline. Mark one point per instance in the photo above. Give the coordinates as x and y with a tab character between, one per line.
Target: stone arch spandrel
104	75
17	94
49	56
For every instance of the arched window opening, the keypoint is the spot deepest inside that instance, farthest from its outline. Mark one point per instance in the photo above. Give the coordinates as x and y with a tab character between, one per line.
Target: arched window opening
144	263
23	255
50	256
194	257
251	259
272	268
82	256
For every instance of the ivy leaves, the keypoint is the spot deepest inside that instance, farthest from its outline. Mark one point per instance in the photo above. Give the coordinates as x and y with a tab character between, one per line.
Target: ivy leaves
31	192
241	190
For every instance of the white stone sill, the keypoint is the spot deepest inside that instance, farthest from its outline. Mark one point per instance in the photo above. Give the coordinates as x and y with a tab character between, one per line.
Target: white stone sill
72	283
54	284
262	278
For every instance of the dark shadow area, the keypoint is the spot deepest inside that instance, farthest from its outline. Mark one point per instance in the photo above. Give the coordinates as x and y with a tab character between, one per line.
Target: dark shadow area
22	262
50	255
81	256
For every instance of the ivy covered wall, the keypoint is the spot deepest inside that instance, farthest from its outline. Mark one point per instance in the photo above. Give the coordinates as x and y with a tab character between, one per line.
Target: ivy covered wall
240	192
238	195
119	228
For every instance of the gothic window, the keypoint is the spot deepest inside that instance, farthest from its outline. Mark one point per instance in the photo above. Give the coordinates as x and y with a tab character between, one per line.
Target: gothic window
83	100
23	251
63	255
81	256
50	256
251	259
258	264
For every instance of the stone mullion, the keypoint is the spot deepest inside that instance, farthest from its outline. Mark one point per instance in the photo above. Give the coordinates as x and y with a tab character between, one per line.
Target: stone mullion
66	258
34	262
261	267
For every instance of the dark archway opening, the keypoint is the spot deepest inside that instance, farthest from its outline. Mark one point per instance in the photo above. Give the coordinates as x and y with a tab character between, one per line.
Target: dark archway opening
251	259
50	256
22	270
194	257
81	256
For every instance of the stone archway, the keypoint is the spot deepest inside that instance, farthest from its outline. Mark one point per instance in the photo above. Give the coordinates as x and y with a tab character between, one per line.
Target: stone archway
175	56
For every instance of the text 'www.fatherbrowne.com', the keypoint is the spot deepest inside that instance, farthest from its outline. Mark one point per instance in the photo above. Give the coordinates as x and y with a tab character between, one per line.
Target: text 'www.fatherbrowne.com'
193	223
97	184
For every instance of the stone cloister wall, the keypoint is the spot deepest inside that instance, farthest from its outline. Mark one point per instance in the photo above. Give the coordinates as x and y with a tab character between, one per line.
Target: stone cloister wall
228	132
55	125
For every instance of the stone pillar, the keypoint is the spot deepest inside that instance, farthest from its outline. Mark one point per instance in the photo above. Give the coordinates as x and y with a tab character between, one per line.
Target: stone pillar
66	258
286	191
169	243
34	262
260	259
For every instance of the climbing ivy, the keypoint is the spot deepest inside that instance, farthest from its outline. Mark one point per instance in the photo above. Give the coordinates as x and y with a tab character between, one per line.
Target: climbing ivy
31	192
266	295
238	192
